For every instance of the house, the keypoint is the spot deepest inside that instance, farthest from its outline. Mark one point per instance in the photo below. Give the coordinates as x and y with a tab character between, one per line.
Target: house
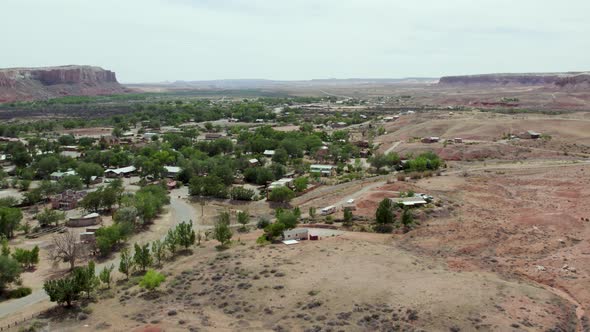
284	182
409	201
458	140
269	153
67	200
325	170
213	136
431	139
56	176
70	148
85	221
253	162
87	237
259	120
109	140
296	234
388	118
172	171
118	172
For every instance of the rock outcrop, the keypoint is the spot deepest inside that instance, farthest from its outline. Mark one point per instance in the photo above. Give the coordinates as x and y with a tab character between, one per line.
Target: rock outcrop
17	84
574	79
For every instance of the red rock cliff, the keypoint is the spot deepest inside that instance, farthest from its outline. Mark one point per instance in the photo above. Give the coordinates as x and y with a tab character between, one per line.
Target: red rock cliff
40	83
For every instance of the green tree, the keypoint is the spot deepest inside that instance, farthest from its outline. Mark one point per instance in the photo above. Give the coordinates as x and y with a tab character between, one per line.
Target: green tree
384	216
300	183
126	214
105	275
241	194
108	237
407	219
126	263
185	234
152	280
222	233
243	219
49	216
92	202
87	170
348	216
281	195
171	241
158	251
142	256
5	247
26	258
46	166
70	182
86	278
10	271
312	212
10	219
63	291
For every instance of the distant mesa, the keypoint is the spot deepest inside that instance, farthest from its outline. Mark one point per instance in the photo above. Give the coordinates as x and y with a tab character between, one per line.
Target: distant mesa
20	84
559	80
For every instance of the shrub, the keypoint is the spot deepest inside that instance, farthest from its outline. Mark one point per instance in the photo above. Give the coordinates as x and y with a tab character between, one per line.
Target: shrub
383	228
241	194
262	223
151	280
19	292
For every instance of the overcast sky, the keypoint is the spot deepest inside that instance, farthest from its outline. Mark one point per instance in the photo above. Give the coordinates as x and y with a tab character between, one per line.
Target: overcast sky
167	40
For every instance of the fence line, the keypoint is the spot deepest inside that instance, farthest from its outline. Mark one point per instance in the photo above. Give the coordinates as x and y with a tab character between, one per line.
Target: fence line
19	321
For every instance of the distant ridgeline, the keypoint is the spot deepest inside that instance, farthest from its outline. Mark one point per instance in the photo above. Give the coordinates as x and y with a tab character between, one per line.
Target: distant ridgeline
559	80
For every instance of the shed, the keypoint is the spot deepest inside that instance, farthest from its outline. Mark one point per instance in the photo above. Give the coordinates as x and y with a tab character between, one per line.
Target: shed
409	201
296	234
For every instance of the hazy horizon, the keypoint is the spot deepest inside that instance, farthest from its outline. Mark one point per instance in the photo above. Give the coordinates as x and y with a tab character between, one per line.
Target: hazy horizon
151	41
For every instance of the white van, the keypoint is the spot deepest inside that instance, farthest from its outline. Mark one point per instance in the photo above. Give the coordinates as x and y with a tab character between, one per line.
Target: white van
328	210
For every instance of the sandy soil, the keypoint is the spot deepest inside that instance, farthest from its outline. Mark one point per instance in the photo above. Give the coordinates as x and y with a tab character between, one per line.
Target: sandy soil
354	282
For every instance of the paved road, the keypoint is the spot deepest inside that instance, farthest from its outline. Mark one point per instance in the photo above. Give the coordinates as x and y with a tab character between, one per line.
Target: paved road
180	211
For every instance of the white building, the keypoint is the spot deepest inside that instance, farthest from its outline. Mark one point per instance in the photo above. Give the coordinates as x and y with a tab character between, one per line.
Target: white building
296	234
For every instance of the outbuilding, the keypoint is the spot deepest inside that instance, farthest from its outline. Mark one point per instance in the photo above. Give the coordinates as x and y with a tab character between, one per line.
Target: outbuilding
409	201
296	234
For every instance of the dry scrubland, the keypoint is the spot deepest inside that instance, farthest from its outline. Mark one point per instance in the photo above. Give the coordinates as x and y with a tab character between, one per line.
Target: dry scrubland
356	282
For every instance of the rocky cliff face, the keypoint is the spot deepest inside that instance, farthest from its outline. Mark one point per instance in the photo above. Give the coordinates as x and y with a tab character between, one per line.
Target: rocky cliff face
550	79
40	83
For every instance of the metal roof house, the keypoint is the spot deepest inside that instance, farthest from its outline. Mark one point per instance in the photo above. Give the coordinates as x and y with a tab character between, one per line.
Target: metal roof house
284	182
124	171
296	234
409	201
172	171
269	153
59	175
322	169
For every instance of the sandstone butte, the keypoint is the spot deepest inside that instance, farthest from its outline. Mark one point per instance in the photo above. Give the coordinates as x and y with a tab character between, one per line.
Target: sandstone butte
20	84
